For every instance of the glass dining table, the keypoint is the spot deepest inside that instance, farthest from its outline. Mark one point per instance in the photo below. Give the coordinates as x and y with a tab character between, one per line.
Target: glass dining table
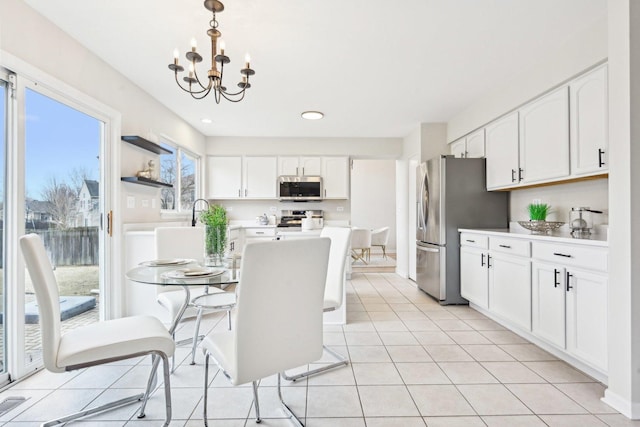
187	275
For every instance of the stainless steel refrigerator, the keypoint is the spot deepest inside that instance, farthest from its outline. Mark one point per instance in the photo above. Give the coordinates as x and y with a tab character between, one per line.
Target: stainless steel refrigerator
451	194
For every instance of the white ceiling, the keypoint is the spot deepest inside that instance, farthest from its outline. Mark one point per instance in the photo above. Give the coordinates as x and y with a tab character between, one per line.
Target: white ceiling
375	68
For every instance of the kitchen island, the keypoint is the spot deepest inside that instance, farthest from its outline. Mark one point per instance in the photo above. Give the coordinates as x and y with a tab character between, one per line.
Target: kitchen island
550	289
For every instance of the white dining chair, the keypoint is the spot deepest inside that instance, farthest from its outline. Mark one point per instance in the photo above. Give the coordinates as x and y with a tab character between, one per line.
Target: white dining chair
360	244
187	243
334	290
94	344
380	238
278	323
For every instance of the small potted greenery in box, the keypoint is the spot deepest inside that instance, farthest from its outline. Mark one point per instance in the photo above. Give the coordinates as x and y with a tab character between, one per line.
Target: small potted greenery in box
215	220
538	211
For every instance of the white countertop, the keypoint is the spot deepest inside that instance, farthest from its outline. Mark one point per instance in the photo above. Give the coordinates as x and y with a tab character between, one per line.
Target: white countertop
594	240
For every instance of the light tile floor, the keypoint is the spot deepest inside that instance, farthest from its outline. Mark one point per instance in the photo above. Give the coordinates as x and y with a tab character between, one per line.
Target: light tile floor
413	363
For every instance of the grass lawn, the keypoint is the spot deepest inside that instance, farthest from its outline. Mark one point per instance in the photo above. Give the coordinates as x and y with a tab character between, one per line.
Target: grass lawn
72	280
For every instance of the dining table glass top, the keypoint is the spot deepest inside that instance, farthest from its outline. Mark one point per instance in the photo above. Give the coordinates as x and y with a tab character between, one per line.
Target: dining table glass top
188	273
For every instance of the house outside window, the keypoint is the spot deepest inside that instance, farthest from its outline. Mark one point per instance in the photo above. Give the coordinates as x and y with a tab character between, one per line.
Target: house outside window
179	169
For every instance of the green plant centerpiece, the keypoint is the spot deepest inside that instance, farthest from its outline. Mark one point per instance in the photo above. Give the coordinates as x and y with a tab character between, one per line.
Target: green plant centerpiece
215	220
538	211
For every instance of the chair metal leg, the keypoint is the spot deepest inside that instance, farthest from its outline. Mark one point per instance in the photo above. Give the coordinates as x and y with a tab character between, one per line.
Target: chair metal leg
384	251
342	361
255	399
294	418
206	387
127	400
196	331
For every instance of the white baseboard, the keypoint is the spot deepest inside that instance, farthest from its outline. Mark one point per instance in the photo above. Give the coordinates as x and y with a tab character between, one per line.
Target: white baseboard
627	408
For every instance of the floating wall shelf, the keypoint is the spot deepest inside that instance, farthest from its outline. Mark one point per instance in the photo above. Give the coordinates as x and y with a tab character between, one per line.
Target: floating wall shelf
145	181
146	144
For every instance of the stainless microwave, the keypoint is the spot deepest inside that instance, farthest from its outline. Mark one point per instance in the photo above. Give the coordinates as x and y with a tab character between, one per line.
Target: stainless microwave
295	188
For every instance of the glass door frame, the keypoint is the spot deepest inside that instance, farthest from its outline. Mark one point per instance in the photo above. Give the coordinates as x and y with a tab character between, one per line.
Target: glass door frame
28	77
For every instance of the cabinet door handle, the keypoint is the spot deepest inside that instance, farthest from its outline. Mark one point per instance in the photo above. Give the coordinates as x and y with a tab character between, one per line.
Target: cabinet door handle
562	255
600	161
325	192
513	175
481	260
505	246
303	171
556	273
470	241
568	278
520	171
245	192
297	171
488	261
239	192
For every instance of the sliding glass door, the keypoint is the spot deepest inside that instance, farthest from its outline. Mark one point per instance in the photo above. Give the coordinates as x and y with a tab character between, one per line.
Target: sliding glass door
4	128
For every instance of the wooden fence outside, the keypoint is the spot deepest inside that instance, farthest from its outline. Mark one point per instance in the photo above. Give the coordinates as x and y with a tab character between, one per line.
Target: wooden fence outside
78	246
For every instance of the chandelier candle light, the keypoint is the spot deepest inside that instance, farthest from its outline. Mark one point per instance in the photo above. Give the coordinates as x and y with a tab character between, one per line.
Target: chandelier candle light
195	86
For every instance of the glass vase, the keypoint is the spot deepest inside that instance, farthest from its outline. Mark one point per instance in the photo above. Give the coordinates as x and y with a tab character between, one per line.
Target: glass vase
215	244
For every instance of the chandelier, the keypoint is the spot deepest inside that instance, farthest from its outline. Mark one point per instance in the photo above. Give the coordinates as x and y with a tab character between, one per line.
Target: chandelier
194	86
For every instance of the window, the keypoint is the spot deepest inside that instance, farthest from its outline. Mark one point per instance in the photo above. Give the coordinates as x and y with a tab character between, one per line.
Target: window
180	170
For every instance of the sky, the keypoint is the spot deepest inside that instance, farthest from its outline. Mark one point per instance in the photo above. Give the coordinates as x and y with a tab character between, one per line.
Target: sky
59	139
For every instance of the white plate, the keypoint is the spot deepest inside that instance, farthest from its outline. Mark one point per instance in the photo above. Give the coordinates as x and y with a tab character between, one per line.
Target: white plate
193	273
166	262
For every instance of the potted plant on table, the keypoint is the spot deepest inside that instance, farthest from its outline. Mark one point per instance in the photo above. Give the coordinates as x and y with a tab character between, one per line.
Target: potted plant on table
215	220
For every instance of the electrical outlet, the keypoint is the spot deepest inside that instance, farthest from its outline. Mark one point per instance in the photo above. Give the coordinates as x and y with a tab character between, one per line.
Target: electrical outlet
229	208
145	203
273	209
153	203
536	202
340	209
131	202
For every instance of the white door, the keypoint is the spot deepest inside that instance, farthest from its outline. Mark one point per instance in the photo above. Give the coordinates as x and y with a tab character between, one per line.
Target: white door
61	189
475	144
589	123
548	303
310	166
458	148
587	316
510	288
225	177
413	217
260	177
474	276
335	177
288	165
544	137
502	152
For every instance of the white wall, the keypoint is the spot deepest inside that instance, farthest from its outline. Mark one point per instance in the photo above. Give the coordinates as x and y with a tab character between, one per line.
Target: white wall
373	197
576	55
562	198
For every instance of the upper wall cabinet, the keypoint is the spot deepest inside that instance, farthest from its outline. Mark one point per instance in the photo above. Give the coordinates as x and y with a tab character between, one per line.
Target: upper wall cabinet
470	146
302	166
335	177
544	138
503	168
234	177
589	123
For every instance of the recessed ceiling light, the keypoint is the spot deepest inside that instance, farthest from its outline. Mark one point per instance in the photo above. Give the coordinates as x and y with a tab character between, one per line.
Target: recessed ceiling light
206	121
312	115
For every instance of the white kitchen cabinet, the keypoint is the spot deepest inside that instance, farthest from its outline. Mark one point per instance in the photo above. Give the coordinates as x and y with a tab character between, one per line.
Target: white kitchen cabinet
589	123
260	175
501	147
225	177
475	144
470	146
544	138
587	316
474	275
510	288
548	302
335	176
235	177
255	234
302	166
458	148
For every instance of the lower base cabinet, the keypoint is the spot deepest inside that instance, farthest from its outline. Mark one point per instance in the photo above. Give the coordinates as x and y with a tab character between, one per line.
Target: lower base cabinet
559	294
510	288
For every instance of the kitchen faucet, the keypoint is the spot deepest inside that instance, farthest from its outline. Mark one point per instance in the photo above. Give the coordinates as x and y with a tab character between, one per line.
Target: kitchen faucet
193	210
